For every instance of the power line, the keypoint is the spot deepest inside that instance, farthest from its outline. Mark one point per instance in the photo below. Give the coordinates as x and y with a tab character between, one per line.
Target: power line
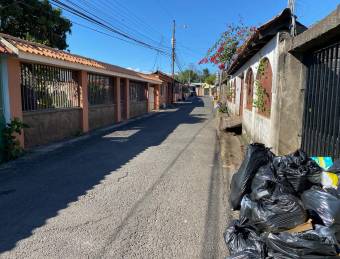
104	33
99	22
156	57
101	19
165	10
137	20
107	10
119	33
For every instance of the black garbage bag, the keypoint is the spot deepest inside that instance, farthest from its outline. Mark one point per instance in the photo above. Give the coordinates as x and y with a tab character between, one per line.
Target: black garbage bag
297	158
263	183
323	205
281	256
296	176
256	156
247	254
318	243
278	213
240	237
298	170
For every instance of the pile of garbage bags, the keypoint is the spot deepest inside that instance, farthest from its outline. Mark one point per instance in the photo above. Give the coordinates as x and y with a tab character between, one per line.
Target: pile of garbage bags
276	196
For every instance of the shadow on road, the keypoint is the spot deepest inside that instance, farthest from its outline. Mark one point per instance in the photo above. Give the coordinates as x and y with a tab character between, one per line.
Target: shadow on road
35	189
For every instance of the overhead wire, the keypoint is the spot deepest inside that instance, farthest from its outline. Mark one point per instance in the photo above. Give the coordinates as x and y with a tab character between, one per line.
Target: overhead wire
136	19
105	9
122	31
99	22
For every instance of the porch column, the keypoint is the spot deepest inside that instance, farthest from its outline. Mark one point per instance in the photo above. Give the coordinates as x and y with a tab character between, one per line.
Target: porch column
84	100
118	113
127	98
14	91
146	91
156	94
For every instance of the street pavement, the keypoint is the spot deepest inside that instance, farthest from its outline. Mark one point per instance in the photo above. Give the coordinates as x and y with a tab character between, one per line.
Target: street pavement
150	189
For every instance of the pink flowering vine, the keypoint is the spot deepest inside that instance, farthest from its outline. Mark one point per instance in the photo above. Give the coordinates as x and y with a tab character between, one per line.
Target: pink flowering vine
225	50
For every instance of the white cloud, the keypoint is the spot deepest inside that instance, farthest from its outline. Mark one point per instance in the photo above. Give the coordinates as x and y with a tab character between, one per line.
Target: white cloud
139	70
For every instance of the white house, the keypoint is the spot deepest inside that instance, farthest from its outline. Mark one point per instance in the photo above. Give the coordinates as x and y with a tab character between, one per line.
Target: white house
253	81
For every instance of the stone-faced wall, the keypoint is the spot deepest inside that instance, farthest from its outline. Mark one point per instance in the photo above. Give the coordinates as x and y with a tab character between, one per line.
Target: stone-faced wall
101	116
53	125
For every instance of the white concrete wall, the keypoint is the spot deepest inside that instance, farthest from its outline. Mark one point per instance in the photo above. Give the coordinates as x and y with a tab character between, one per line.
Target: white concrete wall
257	127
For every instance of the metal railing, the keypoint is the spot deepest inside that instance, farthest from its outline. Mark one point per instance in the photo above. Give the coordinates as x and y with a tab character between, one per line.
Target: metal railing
46	87
100	89
137	91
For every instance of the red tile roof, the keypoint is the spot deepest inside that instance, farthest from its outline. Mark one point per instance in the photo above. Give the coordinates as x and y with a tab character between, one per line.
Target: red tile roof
4	49
42	50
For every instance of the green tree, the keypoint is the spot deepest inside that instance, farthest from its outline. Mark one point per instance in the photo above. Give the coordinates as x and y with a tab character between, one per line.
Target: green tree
210	79
187	76
36	21
205	74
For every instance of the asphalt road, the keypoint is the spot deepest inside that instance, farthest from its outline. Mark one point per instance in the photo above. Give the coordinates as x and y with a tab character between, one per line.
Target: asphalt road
151	189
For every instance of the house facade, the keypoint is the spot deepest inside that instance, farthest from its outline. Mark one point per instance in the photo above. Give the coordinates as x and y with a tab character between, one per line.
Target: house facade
309	83
166	94
252	82
60	95
299	86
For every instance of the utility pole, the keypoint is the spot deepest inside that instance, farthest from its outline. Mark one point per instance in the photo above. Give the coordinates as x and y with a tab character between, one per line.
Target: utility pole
173	46
291	6
173	56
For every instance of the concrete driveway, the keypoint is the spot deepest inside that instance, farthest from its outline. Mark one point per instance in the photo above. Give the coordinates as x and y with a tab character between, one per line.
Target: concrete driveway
150	189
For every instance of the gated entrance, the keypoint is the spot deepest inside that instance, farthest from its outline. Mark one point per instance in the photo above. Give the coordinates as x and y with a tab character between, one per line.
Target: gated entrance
321	127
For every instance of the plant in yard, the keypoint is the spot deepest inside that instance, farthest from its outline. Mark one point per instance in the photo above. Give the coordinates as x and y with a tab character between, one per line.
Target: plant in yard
230	91
230	43
260	91
223	108
12	148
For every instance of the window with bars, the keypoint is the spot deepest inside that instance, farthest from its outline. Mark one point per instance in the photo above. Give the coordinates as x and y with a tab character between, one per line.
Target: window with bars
45	87
100	89
162	90
137	91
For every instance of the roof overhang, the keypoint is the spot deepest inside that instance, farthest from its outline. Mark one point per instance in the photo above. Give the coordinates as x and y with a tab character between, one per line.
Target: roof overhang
30	57
262	36
60	63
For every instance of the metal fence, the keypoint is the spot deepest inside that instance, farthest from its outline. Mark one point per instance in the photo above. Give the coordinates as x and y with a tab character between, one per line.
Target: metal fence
46	87
137	91
100	89
321	125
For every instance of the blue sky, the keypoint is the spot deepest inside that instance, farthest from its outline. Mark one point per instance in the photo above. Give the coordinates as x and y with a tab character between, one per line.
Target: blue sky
199	24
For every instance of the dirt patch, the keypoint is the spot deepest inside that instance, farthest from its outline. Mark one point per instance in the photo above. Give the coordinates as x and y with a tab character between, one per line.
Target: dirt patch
232	149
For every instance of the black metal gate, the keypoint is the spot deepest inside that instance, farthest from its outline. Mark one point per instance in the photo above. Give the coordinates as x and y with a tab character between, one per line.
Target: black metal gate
321	126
